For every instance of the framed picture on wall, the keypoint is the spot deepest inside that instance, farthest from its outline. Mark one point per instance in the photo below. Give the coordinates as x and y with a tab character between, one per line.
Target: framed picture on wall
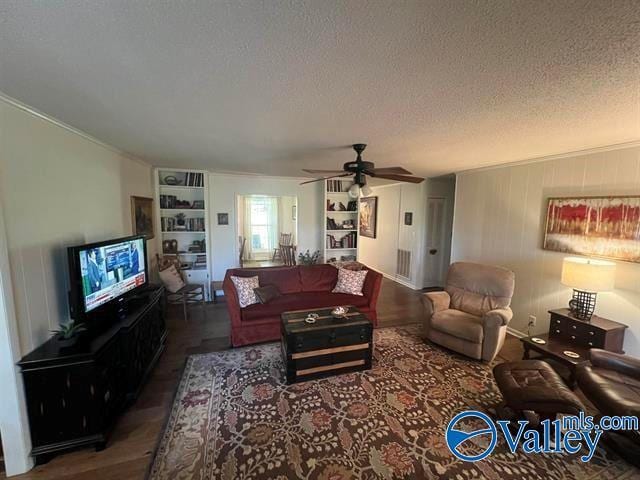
223	219
368	216
408	218
607	227
142	216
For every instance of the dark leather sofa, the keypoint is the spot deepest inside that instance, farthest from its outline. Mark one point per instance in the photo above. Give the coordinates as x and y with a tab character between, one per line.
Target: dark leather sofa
612	384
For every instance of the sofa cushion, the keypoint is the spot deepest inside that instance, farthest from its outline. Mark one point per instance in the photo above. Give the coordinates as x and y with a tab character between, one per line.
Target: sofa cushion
459	324
267	293
300	301
350	281
245	289
171	279
476	288
286	279
318	278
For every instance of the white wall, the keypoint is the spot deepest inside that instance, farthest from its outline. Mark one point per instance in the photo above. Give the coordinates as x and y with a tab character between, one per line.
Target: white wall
58	188
380	253
286	221
223	190
499	219
14	425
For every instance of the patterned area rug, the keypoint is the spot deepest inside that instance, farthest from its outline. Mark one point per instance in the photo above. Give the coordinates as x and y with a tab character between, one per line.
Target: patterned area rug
235	418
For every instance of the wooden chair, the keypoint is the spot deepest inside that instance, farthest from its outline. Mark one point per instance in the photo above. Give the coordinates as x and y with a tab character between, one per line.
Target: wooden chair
189	294
288	254
285	239
242	241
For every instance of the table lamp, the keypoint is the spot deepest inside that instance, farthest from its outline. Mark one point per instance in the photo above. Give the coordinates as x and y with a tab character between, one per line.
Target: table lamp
587	277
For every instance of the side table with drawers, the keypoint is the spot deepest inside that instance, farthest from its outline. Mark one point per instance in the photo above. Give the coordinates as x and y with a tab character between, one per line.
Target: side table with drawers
568	334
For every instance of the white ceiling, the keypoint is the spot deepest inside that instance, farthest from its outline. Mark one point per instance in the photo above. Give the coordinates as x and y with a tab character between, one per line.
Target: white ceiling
275	86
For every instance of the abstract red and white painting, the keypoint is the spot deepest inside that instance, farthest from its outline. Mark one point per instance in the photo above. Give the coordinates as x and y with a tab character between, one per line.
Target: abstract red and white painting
598	226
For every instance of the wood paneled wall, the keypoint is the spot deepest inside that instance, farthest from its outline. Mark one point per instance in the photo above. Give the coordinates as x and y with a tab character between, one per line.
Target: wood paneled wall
58	188
499	219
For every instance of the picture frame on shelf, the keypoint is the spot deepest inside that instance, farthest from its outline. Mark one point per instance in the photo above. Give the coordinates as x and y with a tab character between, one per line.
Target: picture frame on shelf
368	216
197	204
142	216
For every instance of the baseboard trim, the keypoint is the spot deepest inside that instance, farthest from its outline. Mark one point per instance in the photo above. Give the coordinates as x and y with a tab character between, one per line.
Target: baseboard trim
516	333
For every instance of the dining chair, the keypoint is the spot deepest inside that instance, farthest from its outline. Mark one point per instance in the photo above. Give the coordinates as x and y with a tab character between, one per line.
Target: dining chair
189	294
288	254
242	241
285	239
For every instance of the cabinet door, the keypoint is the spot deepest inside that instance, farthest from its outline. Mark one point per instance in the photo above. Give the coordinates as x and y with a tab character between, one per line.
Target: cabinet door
61	403
143	342
110	386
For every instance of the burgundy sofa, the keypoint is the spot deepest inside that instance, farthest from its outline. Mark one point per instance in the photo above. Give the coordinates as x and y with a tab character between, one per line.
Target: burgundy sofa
302	287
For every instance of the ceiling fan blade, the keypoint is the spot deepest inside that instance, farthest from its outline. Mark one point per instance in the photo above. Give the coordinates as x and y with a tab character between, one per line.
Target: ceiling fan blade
400	178
389	171
323	171
326	178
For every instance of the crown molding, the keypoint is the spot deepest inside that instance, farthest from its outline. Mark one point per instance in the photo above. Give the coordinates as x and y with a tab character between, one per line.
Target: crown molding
58	123
555	156
255	175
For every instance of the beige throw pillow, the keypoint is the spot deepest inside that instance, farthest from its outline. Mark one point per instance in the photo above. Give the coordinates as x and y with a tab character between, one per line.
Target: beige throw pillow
350	281
171	279
244	288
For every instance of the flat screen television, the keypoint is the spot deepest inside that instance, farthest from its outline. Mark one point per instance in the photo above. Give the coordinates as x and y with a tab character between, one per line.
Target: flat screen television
104	272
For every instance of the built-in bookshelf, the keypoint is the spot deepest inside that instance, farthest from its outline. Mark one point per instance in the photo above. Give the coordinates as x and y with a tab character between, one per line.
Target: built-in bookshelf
183	221
341	221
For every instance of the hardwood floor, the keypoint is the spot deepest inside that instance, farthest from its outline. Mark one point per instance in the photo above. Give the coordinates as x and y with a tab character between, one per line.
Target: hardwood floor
136	434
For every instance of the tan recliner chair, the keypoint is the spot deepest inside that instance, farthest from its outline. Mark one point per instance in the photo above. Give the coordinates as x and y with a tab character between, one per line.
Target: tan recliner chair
472	314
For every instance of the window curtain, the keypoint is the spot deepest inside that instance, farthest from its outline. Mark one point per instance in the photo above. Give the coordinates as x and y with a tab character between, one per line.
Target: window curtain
273	232
248	248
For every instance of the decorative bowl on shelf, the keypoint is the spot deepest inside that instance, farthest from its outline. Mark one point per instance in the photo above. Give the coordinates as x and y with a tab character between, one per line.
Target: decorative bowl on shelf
340	312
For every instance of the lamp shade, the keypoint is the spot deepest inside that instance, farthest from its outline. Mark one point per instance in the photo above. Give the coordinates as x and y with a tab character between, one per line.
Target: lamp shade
588	275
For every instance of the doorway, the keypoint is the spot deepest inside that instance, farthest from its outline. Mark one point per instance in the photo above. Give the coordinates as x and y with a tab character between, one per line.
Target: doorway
264	223
440	203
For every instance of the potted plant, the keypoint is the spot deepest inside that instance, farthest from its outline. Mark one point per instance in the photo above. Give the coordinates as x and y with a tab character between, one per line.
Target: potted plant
69	333
307	258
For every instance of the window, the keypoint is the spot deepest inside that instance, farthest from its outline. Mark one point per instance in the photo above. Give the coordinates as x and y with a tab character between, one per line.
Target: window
261	215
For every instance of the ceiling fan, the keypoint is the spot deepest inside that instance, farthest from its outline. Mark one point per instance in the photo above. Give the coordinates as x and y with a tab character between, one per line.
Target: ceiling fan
360	169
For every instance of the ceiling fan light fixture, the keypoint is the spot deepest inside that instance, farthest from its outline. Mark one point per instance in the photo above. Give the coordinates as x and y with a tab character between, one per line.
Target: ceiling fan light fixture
366	190
354	190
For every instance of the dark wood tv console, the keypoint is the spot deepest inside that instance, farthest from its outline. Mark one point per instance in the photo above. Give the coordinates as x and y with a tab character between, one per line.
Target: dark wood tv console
74	396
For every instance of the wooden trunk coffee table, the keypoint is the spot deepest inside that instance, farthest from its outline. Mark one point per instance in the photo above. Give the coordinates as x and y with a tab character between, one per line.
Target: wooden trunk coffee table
329	346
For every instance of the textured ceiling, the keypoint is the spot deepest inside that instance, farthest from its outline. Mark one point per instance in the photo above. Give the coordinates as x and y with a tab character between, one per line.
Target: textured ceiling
274	86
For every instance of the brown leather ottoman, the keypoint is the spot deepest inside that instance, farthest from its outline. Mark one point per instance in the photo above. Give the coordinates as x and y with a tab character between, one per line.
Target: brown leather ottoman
533	390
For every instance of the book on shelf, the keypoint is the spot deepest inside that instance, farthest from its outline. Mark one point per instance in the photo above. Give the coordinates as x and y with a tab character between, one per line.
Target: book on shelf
346	241
170	224
338	186
194	179
332	224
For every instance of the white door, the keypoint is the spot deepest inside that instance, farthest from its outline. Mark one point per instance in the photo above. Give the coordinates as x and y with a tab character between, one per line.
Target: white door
435	265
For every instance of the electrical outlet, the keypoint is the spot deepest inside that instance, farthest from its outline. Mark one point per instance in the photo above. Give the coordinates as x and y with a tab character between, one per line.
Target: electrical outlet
532	320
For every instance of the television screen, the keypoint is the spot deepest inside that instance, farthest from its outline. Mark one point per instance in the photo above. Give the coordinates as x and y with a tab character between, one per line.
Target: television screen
111	270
